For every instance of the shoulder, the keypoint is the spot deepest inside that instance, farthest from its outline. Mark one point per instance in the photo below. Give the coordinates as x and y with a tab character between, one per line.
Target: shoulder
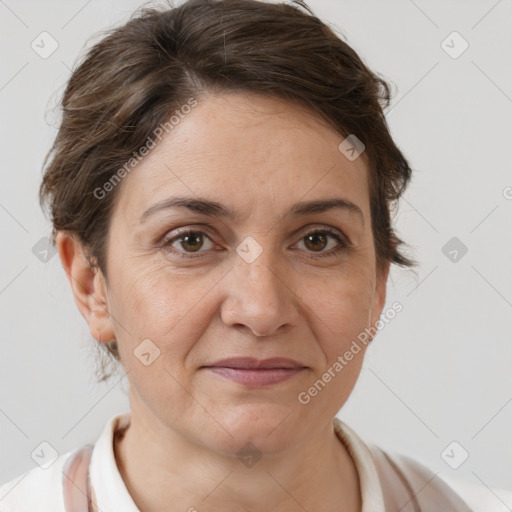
42	489
431	487
395	481
36	489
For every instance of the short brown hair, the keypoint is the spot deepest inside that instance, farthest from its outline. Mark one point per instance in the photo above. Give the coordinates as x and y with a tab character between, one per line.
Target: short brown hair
132	80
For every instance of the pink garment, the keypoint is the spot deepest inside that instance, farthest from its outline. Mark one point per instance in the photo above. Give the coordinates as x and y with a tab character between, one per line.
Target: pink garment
407	485
387	482
76	484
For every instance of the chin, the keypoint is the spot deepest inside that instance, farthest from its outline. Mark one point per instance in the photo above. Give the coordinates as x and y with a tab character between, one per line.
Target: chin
269	427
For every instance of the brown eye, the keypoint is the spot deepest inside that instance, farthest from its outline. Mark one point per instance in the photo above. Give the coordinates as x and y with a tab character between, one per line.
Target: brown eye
316	241
324	242
189	242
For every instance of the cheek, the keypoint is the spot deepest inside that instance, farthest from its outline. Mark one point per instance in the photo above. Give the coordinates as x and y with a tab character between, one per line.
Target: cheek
343	306
152	303
340	312
165	310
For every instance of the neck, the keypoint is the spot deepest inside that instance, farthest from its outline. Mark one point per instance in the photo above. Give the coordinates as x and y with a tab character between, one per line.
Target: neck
317	476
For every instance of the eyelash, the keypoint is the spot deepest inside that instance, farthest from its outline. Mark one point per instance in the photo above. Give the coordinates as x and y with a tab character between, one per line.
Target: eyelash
343	246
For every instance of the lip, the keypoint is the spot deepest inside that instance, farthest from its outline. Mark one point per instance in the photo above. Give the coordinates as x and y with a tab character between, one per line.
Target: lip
254	372
251	363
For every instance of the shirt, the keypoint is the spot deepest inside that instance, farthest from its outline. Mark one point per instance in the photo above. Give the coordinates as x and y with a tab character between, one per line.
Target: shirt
42	489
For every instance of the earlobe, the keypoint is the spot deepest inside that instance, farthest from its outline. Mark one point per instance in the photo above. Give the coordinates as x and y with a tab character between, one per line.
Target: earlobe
88	286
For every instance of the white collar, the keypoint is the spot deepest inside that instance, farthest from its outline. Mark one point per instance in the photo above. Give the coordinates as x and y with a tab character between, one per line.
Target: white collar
109	487
371	491
112	494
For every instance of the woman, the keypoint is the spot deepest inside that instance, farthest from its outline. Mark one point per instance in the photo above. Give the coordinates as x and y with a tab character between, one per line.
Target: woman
220	191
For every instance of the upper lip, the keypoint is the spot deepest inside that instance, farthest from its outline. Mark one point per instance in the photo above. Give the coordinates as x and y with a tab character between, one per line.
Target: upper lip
251	363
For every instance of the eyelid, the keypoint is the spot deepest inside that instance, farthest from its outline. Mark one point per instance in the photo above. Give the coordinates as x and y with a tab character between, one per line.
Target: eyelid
312	228
168	240
344	244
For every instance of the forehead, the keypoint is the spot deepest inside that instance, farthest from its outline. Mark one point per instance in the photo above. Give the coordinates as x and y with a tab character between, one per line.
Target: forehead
247	151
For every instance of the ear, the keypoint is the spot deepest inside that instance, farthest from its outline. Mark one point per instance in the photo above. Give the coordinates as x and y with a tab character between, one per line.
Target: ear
88	286
379	298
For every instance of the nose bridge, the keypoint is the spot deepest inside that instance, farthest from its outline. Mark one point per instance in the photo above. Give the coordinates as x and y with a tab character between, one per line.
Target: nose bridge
257	268
262	278
258	295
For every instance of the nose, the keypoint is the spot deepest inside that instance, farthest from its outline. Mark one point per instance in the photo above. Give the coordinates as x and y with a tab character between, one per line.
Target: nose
260	297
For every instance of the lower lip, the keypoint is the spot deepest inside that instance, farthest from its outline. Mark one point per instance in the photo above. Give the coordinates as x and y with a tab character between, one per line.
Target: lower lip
264	377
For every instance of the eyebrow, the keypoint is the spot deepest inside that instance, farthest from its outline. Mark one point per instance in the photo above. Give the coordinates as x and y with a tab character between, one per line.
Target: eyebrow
215	209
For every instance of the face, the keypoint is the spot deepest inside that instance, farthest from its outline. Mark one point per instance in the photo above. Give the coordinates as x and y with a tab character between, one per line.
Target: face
259	275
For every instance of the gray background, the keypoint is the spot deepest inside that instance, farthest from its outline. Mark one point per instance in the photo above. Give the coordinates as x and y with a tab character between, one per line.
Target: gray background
439	372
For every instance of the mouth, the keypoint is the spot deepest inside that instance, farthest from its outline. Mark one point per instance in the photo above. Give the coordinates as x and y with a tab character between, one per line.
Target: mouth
255	373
